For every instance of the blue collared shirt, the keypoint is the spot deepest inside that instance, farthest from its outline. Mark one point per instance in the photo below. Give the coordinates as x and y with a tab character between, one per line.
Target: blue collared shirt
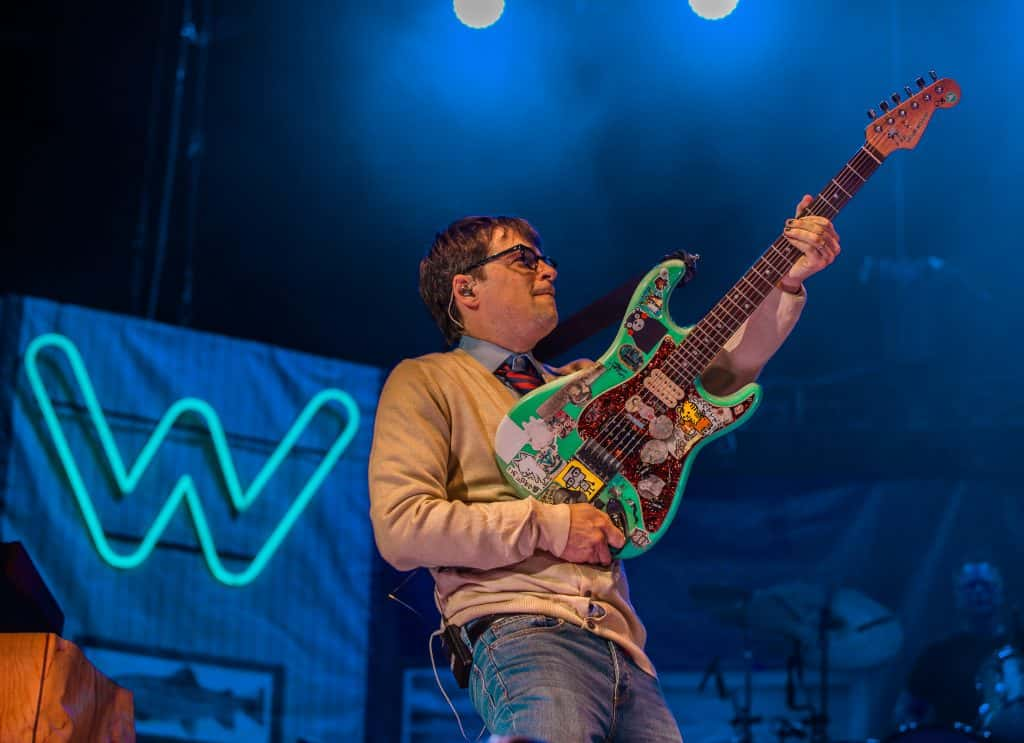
490	355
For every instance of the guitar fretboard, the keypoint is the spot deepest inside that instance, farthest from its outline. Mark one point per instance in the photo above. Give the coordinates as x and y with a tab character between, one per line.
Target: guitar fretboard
708	336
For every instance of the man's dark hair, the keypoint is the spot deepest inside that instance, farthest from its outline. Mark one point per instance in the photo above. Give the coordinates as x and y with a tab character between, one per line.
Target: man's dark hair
462	243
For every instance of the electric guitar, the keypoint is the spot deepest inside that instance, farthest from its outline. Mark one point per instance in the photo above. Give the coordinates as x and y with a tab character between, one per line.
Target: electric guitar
623	434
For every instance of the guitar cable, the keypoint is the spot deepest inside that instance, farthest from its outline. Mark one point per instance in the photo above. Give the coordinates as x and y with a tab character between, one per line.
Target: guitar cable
437	678
433	664
437	633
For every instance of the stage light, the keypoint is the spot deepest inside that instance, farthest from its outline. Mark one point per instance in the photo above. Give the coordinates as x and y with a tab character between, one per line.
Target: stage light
478	13
713	10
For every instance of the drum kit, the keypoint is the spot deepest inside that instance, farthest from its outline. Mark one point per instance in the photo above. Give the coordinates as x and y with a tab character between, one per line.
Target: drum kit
842	629
1001	687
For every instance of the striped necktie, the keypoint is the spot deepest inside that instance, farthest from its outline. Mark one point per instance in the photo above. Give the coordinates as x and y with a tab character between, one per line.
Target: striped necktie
519	373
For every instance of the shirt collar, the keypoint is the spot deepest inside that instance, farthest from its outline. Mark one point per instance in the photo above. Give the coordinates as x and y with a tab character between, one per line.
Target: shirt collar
490	355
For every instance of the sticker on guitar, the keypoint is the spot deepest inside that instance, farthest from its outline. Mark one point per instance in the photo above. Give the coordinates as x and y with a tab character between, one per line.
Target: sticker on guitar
623	435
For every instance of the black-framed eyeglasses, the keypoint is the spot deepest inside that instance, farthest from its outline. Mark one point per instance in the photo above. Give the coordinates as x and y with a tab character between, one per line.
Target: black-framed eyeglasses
528	257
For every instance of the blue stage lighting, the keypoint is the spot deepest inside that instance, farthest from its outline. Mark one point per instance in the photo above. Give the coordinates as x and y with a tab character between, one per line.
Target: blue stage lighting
713	10
478	13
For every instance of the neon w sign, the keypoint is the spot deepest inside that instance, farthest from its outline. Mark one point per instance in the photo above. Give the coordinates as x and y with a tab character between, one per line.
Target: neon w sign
184	490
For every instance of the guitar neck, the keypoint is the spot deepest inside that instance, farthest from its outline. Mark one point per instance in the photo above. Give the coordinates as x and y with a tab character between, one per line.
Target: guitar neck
708	336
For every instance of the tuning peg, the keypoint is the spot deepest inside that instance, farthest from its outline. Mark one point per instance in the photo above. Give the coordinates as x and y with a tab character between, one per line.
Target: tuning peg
910	93
932	73
883	105
896	98
920	82
872	114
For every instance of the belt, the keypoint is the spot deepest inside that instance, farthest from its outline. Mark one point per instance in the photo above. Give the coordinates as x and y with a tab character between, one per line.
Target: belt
480	625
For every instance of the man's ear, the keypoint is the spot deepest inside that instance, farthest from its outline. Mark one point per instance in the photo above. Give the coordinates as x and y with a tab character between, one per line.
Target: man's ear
464	286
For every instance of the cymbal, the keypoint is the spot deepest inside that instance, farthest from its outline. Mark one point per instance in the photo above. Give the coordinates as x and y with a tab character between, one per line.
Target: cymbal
861	632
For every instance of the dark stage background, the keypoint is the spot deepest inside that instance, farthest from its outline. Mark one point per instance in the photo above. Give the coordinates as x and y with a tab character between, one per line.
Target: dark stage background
283	193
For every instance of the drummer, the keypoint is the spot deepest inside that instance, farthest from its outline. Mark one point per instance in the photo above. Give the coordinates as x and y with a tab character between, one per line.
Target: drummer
941	687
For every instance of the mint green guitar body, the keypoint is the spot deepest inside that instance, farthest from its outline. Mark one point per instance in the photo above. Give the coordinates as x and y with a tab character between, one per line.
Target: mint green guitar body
623	434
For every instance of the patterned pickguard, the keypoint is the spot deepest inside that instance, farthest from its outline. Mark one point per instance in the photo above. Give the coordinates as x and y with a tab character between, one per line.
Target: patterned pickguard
653	435
621	435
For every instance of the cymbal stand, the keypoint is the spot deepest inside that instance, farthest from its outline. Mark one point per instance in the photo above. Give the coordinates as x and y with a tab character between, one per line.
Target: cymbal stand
785	728
815	721
795	683
795	678
742	720
819	721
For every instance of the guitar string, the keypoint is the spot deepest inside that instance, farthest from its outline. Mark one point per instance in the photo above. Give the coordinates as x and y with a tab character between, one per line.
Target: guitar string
625	425
779	261
771	257
780	256
673	363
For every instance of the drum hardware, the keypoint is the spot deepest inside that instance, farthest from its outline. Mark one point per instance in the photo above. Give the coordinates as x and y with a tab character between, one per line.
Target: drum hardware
794	683
731	605
786	728
826	621
829	628
1000	685
959	732
742	721
854	631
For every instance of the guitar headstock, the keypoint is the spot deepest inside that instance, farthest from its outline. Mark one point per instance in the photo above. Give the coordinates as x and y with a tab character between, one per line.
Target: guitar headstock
900	124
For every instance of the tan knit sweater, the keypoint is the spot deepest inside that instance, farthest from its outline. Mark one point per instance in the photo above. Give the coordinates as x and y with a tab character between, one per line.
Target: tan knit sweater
437	498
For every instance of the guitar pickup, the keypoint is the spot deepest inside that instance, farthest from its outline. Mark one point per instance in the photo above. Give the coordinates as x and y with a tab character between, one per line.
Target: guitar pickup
659	384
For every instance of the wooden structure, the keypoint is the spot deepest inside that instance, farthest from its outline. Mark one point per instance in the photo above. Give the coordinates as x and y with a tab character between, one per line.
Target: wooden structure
49	691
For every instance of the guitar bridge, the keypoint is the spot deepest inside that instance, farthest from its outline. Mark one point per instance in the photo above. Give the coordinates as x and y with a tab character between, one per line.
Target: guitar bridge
599	460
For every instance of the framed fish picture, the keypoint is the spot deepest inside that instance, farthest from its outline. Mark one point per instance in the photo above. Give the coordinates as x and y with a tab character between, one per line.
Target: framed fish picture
191	697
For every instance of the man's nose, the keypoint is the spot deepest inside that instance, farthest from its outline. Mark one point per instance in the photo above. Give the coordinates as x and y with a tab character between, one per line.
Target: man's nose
546	271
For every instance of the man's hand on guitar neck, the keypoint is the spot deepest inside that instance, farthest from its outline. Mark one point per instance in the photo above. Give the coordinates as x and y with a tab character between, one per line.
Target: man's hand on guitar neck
590	534
813	236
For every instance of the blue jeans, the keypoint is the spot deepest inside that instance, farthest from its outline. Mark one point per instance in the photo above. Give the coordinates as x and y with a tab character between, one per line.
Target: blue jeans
543	678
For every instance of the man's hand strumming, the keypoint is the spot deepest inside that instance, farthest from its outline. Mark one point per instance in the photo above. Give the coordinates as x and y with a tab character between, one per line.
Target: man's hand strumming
590	534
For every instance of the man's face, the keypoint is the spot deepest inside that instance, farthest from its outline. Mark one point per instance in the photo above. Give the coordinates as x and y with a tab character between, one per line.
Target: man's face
516	299
979	588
